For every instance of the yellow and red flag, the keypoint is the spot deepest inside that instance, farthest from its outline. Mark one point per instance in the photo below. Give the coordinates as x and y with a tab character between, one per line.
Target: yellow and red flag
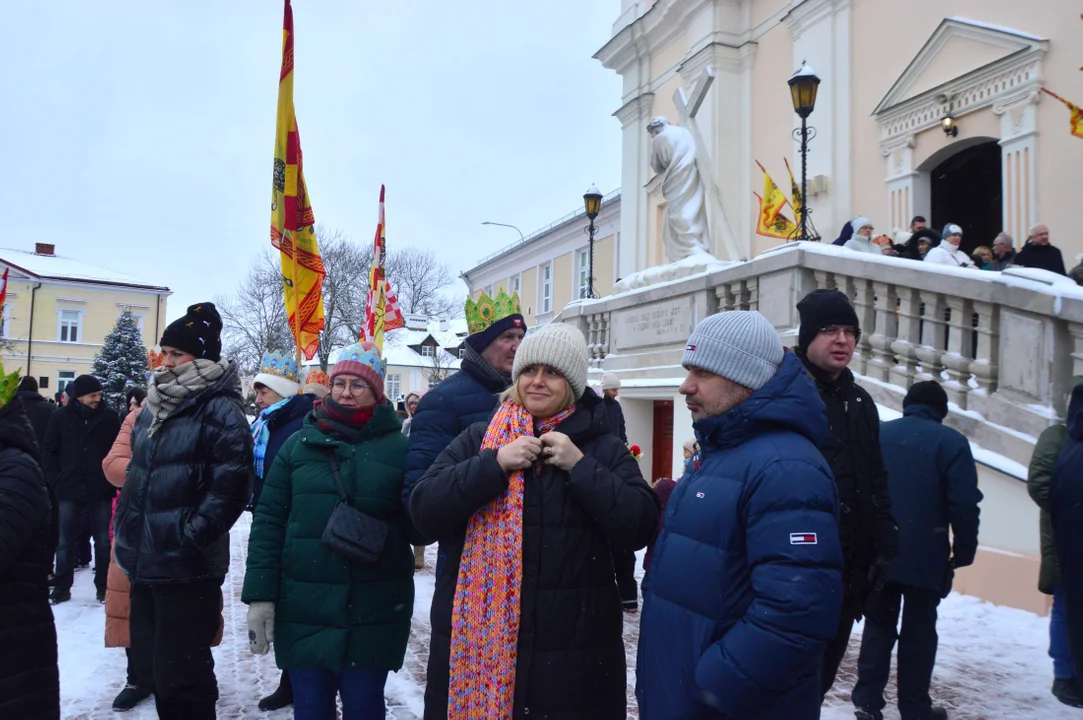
293	229
3	289
771	222
382	313
795	192
1077	114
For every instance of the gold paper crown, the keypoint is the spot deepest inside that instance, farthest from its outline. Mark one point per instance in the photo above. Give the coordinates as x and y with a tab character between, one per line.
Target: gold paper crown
275	363
8	385
318	377
482	314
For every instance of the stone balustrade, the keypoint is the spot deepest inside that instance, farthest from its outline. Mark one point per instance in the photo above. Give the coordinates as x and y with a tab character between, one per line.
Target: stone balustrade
1004	345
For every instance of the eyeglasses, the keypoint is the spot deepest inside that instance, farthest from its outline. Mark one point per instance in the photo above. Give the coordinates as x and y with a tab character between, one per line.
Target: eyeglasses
834	330
356	387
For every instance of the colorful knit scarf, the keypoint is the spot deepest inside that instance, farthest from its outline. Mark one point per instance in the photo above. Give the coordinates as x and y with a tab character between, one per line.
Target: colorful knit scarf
485	616
261	434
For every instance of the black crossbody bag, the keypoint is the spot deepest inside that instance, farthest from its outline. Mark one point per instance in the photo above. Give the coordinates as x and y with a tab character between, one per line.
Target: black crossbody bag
350	532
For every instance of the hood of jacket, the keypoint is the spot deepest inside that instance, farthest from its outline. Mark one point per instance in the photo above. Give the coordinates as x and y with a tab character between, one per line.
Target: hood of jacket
297	407
29	396
16	430
1075	414
789	401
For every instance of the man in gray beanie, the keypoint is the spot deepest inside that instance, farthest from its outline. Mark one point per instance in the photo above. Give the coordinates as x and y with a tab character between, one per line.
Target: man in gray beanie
745	584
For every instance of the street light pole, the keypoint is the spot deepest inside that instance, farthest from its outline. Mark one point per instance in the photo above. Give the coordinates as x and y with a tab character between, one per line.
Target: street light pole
592	200
803	87
521	237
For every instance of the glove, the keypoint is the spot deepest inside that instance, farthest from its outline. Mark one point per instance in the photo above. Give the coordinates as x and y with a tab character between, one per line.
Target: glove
878	574
261	626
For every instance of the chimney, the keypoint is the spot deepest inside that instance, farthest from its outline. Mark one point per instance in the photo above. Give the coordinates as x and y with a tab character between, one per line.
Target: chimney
45	249
445	324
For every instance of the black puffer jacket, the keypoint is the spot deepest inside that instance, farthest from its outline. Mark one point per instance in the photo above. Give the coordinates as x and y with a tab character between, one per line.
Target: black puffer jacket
867	528
39	410
76	442
29	679
571	648
187	485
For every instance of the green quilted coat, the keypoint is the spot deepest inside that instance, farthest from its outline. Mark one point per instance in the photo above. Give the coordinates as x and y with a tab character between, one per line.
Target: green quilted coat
331	612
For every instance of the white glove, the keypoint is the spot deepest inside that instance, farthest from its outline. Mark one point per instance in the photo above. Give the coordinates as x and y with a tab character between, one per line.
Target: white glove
261	626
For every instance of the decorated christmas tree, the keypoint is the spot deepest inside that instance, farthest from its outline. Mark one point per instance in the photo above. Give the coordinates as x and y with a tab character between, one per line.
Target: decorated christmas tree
122	362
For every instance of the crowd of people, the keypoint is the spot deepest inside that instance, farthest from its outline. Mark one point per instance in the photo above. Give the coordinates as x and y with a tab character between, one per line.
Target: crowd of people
923	243
798	513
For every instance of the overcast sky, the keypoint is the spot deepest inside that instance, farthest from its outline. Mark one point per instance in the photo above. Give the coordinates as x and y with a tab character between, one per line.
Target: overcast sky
139	135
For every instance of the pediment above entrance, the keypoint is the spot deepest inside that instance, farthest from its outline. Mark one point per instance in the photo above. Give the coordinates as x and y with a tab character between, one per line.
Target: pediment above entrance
965	65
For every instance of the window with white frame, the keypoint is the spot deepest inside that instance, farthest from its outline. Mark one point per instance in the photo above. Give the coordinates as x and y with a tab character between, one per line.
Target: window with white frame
434	380
5	321
516	284
545	288
427	351
138	319
489	290
394	385
71	325
63	379
582	264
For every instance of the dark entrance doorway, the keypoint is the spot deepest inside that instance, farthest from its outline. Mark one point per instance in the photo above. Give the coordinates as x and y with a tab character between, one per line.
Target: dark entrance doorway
662	442
967	190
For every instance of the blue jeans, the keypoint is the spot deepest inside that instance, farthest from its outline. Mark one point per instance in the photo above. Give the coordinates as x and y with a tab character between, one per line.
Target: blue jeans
314	691
1059	648
101	513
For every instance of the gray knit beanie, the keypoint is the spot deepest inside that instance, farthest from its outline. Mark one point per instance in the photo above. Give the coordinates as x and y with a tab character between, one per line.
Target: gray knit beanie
739	345
561	347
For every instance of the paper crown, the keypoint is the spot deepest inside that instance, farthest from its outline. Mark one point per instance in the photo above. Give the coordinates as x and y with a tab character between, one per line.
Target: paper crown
317	377
155	359
482	314
369	356
275	363
8	385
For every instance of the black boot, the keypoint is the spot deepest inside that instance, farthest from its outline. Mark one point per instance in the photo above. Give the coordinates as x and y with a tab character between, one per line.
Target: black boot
1067	691
59	596
863	714
280	698
939	713
129	697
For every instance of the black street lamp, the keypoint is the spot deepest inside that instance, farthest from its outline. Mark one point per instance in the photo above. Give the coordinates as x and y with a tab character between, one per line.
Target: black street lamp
593	202
803	86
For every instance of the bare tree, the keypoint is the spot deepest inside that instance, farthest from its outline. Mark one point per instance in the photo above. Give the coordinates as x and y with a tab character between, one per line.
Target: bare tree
439	366
421	282
254	318
345	291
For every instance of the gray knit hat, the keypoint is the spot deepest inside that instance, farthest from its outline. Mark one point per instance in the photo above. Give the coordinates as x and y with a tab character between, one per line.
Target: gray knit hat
561	347
739	345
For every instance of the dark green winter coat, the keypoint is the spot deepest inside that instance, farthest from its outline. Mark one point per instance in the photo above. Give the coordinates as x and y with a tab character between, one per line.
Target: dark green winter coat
1039	477
331	612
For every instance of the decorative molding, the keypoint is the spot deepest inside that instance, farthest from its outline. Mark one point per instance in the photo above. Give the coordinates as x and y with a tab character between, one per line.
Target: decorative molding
903	141
806	13
635	110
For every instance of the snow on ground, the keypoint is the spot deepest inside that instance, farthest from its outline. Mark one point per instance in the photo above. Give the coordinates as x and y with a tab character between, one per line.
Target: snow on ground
991	665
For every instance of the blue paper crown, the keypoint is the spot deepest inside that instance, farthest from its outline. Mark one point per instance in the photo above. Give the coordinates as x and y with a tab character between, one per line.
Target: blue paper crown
371	357
275	363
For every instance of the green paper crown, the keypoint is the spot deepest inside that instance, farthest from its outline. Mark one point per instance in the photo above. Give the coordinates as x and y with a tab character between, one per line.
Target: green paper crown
8	385
482	314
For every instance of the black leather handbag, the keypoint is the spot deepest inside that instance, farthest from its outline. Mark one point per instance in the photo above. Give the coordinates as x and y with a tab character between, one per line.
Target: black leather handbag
350	532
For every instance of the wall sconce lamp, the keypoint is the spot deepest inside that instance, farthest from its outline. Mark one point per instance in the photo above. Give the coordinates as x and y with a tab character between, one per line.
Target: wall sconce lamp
951	129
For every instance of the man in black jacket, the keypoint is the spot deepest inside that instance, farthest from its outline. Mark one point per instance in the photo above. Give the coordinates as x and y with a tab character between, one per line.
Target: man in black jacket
1039	253
77	440
624	561
934	484
37	408
610	391
825	343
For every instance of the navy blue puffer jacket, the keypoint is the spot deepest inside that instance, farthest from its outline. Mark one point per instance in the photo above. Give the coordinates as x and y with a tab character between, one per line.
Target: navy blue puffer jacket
745	586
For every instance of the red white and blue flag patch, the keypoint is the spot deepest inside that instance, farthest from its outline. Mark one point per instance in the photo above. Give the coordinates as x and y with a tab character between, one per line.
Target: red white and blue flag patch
802	538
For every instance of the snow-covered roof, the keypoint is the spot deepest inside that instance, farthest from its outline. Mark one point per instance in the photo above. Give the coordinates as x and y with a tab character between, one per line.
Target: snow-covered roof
58	267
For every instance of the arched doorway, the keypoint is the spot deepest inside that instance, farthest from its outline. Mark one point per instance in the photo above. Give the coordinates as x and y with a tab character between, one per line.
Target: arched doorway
966	189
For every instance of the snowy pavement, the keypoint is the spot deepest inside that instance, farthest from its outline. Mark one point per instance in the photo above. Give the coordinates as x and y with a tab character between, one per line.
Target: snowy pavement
992	662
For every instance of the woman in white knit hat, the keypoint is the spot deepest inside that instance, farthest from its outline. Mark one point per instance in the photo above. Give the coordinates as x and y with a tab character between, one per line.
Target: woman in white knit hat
527	616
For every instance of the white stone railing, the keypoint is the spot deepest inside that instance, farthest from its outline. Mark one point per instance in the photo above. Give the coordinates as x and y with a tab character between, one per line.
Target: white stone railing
1004	345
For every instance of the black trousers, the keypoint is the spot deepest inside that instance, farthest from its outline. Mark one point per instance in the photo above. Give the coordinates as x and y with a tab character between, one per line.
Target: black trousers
172	627
68	514
836	650
917	650
624	563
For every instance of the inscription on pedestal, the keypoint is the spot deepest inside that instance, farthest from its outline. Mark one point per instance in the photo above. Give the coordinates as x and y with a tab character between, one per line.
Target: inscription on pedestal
661	323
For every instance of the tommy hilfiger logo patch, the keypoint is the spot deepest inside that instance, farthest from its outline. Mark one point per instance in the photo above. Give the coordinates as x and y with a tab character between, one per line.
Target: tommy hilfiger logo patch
517	322
699	494
690	347
803	539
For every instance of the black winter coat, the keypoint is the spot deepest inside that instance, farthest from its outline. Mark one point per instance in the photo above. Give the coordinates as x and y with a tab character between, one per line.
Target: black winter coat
29	679
934	485
1043	257
867	528
281	426
39	410
187	485
616	419
76	442
571	648
1066	513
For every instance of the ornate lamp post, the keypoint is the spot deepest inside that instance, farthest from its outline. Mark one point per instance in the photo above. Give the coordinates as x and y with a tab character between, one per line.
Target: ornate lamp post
593	202
803	86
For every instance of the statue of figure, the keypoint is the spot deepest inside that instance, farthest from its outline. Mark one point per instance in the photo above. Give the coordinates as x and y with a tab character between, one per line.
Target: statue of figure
673	152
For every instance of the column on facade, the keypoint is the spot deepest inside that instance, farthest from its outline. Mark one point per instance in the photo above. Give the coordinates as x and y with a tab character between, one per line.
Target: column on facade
635	172
907	189
1018	156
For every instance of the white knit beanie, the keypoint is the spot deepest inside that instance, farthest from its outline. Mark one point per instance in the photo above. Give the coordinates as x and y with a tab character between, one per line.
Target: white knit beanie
739	345
859	222
561	347
283	386
610	381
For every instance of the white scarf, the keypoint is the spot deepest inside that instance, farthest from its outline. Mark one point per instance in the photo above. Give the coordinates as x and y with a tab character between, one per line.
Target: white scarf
170	387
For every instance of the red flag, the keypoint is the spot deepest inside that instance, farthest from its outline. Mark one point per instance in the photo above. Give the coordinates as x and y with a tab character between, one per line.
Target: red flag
382	313
3	290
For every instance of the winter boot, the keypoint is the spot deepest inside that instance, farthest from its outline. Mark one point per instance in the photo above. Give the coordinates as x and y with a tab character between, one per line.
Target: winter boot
863	714
280	698
939	713
1067	691
101	596
58	597
129	697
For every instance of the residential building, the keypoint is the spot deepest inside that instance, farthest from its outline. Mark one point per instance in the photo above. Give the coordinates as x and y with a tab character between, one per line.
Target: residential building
551	267
60	309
